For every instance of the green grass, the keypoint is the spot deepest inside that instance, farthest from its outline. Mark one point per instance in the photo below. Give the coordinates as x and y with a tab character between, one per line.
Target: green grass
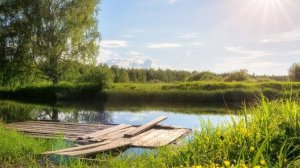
266	135
182	92
269	138
199	92
20	150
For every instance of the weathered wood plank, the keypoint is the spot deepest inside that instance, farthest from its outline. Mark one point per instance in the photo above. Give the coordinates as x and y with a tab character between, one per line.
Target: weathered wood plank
64	123
166	137
77	148
105	131
145	127
141	139
107	147
113	135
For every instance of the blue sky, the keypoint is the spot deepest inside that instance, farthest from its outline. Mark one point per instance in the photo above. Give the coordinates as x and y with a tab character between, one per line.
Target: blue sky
262	36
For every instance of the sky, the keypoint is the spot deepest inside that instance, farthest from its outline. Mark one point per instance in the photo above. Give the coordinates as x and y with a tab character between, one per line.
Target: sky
262	36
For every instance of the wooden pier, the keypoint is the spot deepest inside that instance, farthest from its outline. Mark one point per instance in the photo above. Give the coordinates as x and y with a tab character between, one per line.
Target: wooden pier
95	138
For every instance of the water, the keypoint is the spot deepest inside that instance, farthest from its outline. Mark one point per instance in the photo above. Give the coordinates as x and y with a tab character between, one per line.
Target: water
180	116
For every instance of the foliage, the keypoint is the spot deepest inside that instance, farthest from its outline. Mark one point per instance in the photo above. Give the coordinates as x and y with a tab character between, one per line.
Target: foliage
204	76
100	75
294	72
52	93
45	37
238	76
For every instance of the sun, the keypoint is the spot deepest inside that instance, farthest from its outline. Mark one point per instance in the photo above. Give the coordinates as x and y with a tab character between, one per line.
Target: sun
263	15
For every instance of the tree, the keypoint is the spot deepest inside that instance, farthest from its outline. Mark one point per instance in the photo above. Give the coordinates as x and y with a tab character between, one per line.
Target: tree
50	34
294	72
123	76
238	76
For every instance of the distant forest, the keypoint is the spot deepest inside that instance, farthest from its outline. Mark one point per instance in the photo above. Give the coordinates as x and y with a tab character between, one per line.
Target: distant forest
118	74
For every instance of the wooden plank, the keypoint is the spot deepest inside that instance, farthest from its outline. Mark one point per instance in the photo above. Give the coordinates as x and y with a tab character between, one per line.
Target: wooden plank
63	123
44	131
145	127
77	148
166	138
113	135
143	138
64	130
105	131
107	147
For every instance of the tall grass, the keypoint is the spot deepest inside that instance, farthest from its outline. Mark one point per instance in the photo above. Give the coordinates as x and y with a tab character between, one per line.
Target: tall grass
266	136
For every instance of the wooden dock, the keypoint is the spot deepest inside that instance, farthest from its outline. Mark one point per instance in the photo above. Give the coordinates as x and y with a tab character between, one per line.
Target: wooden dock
94	138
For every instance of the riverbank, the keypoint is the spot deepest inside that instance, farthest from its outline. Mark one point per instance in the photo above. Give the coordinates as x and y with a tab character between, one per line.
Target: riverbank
184	92
269	138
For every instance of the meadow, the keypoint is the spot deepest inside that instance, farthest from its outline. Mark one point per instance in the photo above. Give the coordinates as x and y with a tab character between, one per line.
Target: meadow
177	92
265	135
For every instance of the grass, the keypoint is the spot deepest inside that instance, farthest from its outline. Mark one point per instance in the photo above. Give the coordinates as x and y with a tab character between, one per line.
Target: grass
199	92
182	92
270	137
52	93
266	135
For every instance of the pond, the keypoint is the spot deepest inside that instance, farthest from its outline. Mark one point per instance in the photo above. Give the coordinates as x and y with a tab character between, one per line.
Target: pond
116	113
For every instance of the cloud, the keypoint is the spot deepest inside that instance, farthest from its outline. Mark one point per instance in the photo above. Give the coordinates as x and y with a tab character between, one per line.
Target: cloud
247	54
290	36
164	45
113	43
188	36
255	61
128	36
133	59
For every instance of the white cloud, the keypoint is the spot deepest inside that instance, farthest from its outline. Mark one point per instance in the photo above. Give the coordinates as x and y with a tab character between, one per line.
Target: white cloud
188	36
163	45
113	43
133	59
290	36
128	36
247	54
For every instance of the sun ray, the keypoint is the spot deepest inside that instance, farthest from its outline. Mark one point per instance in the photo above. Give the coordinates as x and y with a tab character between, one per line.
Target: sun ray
285	13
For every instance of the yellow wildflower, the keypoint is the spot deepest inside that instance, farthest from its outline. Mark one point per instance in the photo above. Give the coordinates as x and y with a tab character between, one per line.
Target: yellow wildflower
227	163
257	167
252	149
262	162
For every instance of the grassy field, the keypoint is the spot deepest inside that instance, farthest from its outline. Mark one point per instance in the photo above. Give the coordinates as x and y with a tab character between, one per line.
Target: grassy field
199	92
268	136
183	92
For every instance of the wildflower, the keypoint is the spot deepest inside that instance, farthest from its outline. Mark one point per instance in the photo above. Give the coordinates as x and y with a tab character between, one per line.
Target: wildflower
227	163
262	162
257	167
199	166
252	149
243	165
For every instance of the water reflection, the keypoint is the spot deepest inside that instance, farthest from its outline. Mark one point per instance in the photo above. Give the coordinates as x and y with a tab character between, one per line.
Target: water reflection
100	113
